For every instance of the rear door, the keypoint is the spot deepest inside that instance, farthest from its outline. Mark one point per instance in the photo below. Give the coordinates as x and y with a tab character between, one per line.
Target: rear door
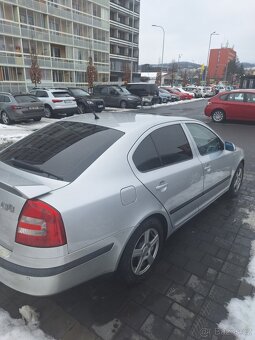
249	106
165	163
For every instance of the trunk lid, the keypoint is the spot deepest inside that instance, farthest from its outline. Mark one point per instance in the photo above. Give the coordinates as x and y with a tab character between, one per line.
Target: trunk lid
16	187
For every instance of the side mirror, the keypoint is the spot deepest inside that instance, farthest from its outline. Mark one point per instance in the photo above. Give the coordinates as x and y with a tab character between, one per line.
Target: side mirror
230	146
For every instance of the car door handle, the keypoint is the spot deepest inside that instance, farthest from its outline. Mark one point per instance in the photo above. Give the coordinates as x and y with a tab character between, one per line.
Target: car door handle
162	186
207	167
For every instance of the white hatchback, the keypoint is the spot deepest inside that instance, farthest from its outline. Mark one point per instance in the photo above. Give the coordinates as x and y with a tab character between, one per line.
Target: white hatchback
56	101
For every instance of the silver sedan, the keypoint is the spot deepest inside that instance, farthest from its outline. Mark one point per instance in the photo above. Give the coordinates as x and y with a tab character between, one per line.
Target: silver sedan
86	196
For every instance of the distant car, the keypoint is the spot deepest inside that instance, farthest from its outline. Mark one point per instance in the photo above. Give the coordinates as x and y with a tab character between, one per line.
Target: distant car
20	107
84	197
56	101
193	89
116	96
236	105
85	102
164	96
182	96
148	93
189	95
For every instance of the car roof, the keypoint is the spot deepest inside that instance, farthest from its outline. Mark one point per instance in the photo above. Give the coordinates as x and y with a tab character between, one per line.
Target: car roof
127	121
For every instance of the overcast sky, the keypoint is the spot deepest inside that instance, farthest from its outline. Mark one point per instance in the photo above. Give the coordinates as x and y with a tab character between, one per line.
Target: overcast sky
188	24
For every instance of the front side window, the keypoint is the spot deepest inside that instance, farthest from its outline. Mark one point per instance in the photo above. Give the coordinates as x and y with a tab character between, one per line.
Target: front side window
250	98
236	97
207	142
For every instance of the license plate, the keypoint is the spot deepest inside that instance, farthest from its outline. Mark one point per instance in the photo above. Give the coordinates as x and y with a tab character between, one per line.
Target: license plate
68	101
33	108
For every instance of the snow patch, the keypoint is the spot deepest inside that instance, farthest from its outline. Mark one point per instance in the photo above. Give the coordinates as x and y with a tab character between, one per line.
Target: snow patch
240	321
18	329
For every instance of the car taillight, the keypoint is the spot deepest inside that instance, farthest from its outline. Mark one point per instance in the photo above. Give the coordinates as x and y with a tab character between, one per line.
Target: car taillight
40	225
16	107
57	100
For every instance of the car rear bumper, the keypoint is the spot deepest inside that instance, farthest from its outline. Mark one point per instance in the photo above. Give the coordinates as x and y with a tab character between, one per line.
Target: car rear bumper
70	110
20	117
49	281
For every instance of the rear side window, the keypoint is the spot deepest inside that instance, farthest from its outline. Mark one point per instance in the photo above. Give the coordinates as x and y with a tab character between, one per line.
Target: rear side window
172	144
61	150
145	156
163	147
60	94
25	99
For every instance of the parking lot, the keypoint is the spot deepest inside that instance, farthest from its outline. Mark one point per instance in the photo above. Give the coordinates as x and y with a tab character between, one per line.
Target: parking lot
185	298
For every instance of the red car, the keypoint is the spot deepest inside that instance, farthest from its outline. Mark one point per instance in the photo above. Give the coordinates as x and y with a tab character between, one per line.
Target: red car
181	95
236	104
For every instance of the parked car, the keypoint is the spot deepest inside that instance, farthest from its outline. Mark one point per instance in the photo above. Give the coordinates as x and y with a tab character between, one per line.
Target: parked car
194	89
164	96
116	96
19	107
85	102
188	95
182	96
56	101
83	196
236	105
148	93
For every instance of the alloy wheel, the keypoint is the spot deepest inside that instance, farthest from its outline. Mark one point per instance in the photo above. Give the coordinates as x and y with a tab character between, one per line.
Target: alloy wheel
145	251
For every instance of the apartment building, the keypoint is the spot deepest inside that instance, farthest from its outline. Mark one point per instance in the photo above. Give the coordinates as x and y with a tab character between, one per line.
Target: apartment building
218	61
64	34
124	39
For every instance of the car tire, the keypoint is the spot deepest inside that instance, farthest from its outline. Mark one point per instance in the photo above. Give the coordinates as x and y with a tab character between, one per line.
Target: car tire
236	181
5	118
123	104
37	119
218	116
81	108
142	251
48	111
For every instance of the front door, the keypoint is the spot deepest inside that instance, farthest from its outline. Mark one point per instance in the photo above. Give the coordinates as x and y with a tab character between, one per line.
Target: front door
216	162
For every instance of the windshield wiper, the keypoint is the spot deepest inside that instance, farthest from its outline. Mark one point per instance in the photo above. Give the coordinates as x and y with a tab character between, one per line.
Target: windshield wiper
28	166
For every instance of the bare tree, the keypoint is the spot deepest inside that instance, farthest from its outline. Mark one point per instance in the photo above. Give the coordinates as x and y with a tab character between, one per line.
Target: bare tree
91	74
35	71
127	74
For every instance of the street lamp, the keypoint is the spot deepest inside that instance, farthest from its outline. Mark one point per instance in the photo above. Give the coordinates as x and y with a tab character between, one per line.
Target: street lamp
163	45
206	73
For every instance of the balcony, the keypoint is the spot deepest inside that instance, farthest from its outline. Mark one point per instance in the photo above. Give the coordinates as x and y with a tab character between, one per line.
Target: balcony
59	11
34	5
59	63
9	28
31	33
82	18
60	38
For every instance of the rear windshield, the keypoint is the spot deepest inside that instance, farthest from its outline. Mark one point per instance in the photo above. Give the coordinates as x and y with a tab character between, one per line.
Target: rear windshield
25	99
80	92
62	150
60	94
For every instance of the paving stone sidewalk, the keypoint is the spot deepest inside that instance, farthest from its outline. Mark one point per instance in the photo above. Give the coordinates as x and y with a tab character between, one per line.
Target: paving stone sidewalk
185	298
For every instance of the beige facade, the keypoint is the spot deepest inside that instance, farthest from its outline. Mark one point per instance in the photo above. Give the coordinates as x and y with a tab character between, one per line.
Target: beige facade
62	33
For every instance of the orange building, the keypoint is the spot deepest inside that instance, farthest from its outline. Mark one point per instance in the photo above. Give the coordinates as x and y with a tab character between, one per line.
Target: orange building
218	61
